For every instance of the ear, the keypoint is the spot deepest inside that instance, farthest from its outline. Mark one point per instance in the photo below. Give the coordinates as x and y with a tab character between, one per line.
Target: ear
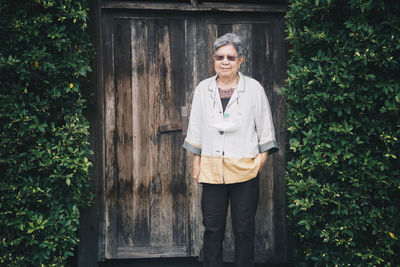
241	59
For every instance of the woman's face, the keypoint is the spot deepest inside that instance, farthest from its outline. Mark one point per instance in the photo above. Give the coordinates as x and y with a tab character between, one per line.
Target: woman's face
227	62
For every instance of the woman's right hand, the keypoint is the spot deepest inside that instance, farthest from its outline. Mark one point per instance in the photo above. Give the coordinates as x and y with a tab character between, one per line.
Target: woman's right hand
196	168
264	157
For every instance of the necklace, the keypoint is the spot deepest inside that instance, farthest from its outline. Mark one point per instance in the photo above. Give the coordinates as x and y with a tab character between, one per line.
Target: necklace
226	93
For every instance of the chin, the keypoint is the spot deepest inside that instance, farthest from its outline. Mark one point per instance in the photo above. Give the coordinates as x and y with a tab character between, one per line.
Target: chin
225	73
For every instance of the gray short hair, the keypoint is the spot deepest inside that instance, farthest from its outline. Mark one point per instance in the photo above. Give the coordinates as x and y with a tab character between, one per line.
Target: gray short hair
229	38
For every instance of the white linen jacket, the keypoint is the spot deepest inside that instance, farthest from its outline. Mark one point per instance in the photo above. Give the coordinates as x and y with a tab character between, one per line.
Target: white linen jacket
230	142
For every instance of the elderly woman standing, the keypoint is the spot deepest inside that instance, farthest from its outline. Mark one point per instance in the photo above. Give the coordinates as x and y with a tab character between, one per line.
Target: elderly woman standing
230	133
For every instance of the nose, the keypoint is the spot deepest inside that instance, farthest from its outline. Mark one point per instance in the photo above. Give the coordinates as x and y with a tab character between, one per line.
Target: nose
225	60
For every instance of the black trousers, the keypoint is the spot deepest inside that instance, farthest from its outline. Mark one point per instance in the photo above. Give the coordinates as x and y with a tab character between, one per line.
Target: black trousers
214	204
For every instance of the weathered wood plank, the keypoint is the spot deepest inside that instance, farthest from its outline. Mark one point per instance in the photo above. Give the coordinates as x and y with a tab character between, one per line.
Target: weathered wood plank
152	252
192	80
263	68
178	190
244	30
281	248
204	68
262	63
172	127
110	136
178	186
161	213
178	64
99	126
223	28
264	240
155	182
213	34
200	7
259	256
169	219
142	133
123	121
92	218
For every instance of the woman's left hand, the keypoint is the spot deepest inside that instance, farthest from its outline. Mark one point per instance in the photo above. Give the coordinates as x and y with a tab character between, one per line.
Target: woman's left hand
264	157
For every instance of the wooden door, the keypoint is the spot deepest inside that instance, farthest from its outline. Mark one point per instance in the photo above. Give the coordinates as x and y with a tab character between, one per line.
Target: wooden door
151	63
146	187
265	60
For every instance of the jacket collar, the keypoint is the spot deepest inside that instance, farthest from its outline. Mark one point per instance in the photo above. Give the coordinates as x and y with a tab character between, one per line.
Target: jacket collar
213	84
213	88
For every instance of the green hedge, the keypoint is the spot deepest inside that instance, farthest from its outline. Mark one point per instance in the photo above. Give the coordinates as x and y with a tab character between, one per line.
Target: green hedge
44	154
343	120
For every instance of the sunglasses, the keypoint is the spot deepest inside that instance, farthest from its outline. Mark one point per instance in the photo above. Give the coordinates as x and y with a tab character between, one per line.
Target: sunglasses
220	58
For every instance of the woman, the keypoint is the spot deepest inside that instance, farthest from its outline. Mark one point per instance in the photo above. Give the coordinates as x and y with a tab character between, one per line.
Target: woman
230	133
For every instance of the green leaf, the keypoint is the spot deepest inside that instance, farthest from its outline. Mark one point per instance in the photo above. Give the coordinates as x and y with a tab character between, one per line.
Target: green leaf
302	222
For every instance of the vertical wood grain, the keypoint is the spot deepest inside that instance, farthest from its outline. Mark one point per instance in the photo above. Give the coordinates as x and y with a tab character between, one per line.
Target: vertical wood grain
161	200
151	196
178	187
244	31
142	146
124	136
110	245
191	40
282	244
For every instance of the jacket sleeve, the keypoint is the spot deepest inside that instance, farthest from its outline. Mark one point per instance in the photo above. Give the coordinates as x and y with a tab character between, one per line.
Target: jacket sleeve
192	141
264	123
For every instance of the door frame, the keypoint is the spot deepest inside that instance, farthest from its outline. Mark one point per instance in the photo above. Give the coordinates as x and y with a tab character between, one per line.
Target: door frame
103	14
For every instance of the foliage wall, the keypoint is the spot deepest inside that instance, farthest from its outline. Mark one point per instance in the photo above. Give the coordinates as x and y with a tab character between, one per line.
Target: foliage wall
343	98
44	150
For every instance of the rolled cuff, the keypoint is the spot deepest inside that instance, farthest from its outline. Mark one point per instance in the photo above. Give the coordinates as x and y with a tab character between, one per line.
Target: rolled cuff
272	146
192	148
